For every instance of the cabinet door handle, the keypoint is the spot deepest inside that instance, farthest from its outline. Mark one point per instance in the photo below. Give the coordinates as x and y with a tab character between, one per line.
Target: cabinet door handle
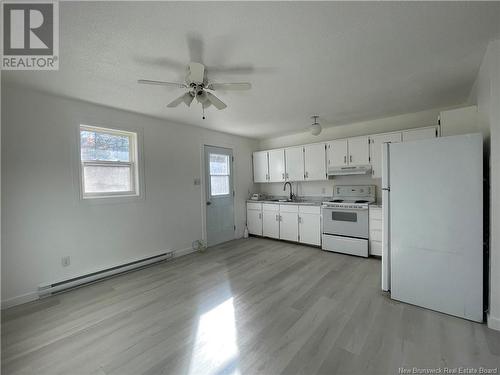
283	176
260	215
350	158
277	218
300	220
345	159
287	176
307	174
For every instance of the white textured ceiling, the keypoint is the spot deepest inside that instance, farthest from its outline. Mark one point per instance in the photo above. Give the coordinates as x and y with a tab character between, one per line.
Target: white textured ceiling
344	61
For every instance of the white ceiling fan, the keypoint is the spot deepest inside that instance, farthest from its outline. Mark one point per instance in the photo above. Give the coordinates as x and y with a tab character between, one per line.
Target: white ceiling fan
199	87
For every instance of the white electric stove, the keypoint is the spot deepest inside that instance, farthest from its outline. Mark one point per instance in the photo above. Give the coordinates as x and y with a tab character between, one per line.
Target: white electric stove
345	219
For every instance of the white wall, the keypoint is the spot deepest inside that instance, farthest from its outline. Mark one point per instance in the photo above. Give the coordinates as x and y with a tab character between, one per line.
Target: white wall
43	218
486	93
325	188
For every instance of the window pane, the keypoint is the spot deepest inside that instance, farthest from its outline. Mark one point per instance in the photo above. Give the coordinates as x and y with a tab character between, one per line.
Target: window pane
104	146
106	179
219	185
219	164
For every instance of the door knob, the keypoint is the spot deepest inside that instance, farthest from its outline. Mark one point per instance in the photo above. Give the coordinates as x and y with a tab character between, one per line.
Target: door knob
209	203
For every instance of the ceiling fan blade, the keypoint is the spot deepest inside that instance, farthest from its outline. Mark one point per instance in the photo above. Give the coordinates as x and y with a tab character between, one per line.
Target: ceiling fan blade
162	83
162	62
196	72
229	86
237	69
187	98
219	104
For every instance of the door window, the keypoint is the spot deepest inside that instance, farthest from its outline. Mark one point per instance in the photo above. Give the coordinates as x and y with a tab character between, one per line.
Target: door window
344	216
220	172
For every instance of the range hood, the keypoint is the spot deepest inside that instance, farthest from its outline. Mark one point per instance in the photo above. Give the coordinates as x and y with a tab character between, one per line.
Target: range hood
349	170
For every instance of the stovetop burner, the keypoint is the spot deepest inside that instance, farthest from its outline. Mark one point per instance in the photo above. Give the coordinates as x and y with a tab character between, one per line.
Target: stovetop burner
349	201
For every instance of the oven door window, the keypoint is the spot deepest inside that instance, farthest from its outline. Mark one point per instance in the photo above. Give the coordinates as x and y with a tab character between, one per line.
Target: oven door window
344	216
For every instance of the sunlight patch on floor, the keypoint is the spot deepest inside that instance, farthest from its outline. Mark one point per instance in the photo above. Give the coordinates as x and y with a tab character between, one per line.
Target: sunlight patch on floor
215	351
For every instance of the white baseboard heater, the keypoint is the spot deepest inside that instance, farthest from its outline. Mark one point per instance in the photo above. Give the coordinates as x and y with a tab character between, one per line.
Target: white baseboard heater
60	286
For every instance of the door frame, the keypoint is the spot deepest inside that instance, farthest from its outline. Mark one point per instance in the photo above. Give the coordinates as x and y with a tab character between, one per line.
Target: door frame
203	185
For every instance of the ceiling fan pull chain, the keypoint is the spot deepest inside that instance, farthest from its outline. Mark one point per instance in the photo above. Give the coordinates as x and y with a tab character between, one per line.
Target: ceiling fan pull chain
203	110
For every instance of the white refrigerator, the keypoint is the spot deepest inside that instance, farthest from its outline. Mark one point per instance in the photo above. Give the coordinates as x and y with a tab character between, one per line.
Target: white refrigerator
432	245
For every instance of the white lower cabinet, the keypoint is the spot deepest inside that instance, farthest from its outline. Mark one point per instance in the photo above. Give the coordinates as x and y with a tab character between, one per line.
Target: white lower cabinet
310	225
289	222
254	218
270	220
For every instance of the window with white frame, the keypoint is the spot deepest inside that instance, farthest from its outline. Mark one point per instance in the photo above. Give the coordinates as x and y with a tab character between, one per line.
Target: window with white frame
108	162
220	171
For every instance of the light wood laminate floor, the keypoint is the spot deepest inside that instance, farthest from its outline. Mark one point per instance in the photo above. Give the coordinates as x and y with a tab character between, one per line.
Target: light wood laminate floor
252	306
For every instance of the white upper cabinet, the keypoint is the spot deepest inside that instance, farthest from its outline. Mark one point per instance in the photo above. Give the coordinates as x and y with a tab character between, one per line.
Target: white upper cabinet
460	121
337	153
315	162
376	142
359	151
311	162
294	163
260	166
350	151
276	165
418	134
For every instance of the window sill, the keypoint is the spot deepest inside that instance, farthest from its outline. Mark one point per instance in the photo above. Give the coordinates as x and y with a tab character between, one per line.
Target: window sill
111	199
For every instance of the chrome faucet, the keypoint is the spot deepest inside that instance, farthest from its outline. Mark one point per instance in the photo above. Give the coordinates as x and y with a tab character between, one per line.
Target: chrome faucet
284	188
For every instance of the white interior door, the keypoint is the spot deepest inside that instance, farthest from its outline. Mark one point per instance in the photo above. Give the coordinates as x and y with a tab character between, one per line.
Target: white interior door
337	153
276	165
436	236
315	162
219	195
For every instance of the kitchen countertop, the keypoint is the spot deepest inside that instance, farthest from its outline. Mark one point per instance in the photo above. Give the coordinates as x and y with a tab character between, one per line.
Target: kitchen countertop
301	203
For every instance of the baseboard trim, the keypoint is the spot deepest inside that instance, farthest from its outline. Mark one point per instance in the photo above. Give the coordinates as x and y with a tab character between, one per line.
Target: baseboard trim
182	252
32	296
19	300
493	322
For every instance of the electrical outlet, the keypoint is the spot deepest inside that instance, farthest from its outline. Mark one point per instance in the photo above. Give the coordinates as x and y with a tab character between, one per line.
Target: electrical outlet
65	261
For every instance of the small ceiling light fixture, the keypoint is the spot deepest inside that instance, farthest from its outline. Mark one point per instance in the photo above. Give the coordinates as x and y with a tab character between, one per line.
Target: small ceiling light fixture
316	127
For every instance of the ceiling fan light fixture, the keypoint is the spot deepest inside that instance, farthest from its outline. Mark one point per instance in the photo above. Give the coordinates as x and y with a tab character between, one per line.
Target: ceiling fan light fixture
315	128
